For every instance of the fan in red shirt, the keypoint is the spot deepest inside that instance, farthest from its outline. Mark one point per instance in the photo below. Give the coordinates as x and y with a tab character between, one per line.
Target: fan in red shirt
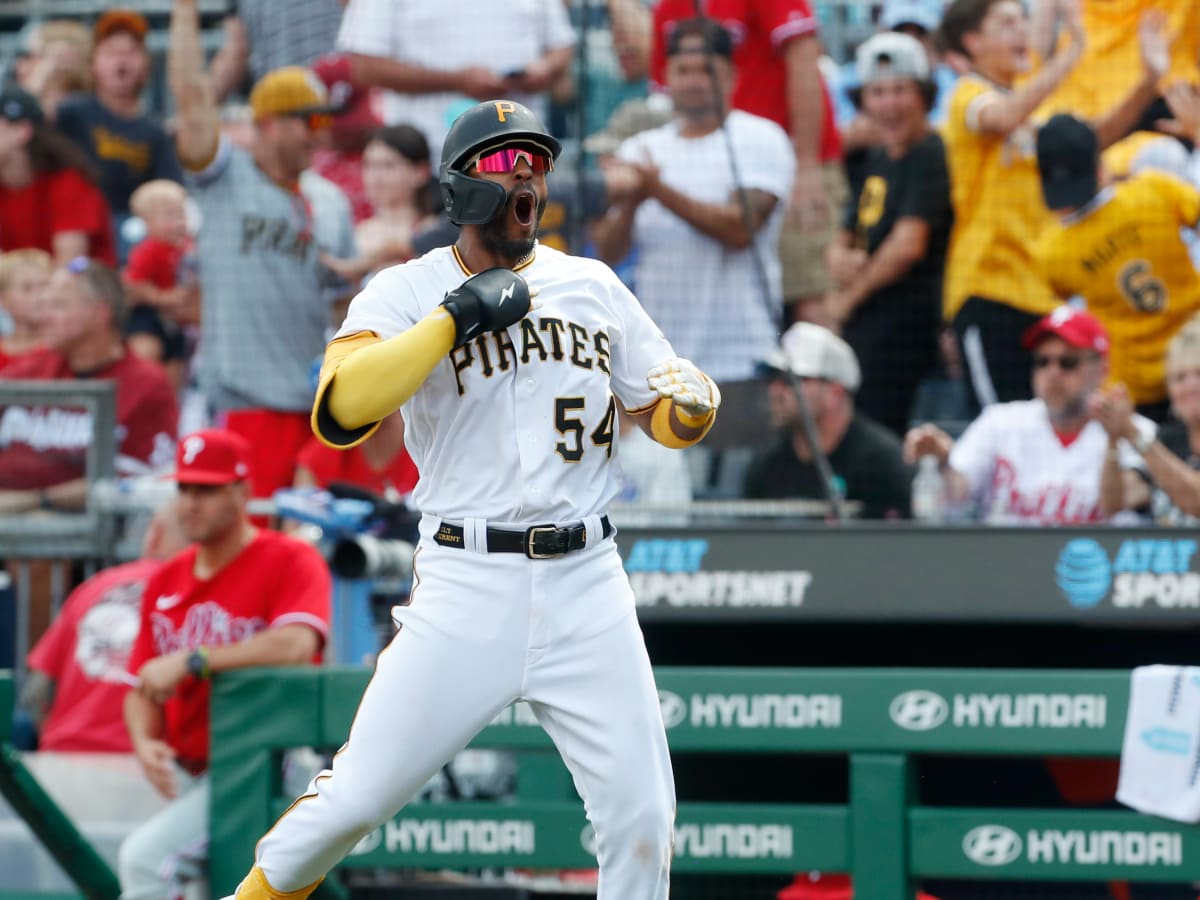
43	450
237	597
48	196
776	49
380	464
78	677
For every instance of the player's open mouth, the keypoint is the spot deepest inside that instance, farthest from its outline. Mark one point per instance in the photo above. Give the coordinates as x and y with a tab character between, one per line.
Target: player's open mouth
524	207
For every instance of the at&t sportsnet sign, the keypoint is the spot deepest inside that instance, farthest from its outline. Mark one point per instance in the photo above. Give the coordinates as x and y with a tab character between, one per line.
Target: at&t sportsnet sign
1142	573
669	572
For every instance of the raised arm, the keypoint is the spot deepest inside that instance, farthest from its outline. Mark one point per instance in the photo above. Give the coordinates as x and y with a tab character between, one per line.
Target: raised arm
231	62
198	121
1004	113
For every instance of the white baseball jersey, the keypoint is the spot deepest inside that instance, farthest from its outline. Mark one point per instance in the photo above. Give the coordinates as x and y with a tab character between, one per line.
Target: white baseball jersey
518	426
1022	472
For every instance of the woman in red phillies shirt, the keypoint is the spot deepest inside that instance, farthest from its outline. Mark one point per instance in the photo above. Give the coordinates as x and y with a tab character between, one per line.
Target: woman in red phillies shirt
48	196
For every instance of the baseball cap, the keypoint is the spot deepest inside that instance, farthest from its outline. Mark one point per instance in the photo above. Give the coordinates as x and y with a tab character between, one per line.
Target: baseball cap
891	54
116	20
352	102
1068	156
632	117
212	456
810	351
291	90
18	106
925	14
1077	327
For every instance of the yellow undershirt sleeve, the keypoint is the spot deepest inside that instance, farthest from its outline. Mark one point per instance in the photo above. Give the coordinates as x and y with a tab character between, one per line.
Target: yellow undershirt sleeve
365	379
674	428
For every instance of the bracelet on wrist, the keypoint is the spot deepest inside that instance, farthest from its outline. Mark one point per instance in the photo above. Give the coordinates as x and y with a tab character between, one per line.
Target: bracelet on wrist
1141	442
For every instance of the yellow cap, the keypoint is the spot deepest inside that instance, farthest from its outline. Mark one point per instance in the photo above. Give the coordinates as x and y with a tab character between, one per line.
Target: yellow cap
287	91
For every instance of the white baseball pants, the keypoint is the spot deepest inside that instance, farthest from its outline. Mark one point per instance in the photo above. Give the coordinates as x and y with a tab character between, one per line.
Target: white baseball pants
482	631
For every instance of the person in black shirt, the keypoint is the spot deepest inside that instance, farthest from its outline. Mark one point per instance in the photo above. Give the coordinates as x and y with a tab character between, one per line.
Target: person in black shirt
128	147
864	456
887	260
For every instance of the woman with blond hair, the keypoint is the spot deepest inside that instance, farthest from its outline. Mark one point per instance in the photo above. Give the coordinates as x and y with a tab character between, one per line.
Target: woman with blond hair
1172	458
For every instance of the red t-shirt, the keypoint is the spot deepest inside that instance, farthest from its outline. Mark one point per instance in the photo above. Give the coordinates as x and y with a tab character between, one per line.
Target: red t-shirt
7	359
351	467
86	652
53	203
275	581
155	262
345	170
760	28
43	446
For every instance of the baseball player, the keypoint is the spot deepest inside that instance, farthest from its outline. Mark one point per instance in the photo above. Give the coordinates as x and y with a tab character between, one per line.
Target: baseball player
510	415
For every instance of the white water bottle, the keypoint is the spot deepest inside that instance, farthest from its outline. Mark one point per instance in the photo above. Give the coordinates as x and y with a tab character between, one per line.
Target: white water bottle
929	491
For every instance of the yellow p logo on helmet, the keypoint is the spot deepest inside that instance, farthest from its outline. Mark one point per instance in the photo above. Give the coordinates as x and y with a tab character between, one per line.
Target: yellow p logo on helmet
503	108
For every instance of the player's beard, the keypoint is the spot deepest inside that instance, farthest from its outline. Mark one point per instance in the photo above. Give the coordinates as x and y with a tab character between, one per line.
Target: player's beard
495	233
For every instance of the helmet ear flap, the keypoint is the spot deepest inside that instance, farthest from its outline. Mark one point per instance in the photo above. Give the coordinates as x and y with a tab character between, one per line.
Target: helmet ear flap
470	200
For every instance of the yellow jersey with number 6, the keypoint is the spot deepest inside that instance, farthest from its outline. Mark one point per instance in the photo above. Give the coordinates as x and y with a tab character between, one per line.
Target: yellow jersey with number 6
1124	255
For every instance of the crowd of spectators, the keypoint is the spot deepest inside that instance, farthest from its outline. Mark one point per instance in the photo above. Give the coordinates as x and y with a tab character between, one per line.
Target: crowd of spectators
970	167
971	240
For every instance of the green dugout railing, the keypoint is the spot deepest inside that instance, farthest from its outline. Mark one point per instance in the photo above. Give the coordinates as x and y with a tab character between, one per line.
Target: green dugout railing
879	718
78	858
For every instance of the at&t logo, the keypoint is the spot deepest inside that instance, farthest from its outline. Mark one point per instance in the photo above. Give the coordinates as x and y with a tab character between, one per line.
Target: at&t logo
919	710
992	845
1083	573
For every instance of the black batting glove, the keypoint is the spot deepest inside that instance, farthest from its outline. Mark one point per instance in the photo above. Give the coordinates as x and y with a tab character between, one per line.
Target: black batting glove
488	301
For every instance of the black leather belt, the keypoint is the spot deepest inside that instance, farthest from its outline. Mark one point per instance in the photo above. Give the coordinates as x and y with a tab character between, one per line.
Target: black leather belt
536	542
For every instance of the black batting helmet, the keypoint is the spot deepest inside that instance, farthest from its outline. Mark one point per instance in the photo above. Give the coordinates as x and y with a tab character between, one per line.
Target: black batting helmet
488	125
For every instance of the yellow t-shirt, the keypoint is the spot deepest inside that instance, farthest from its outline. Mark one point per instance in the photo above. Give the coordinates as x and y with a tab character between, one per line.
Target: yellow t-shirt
1124	256
998	208
1111	64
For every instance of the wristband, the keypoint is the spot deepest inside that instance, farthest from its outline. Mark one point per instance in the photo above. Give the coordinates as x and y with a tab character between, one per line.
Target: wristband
197	663
1142	442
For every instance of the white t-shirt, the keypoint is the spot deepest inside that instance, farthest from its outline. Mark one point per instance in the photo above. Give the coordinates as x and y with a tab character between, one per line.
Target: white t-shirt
503	37
707	297
1021	472
517	426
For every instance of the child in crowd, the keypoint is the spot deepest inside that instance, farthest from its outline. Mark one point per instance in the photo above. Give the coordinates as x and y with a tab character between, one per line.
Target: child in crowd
163	298
23	277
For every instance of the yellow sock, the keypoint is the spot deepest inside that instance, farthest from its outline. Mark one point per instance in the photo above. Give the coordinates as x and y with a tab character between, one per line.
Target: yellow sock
256	887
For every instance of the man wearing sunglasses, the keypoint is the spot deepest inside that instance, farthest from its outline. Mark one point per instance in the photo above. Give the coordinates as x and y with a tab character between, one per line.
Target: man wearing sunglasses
507	360
266	223
1037	462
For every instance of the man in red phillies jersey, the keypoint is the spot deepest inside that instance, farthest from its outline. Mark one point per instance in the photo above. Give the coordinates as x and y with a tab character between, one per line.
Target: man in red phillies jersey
77	677
237	597
43	450
1039	462
776	48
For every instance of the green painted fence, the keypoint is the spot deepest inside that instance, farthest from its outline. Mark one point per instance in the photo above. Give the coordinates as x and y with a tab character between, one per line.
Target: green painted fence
879	718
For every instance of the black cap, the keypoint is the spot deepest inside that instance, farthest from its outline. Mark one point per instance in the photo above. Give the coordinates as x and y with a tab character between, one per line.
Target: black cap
1068	156
18	106
715	36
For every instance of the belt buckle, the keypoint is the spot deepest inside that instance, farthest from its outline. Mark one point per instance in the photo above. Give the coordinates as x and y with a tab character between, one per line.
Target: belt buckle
531	534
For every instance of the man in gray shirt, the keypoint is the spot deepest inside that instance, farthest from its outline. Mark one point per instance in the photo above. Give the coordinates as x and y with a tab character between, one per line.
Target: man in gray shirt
266	225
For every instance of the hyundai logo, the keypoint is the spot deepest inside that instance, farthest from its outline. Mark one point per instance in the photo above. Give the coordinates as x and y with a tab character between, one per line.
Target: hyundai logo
587	839
369	842
992	845
674	708
919	710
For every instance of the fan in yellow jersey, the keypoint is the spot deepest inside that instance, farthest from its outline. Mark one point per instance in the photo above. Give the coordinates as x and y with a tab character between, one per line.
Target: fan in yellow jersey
1108	68
1119	248
993	291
